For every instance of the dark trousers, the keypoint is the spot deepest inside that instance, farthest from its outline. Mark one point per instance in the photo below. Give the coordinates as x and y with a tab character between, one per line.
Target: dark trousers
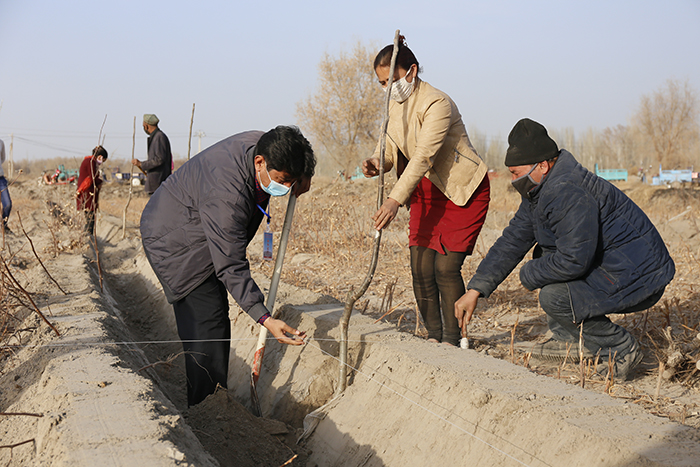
203	315
599	333
437	285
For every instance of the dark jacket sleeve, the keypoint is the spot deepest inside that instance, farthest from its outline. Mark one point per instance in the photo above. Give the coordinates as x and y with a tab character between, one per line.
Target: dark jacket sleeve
224	219
157	153
572	215
512	246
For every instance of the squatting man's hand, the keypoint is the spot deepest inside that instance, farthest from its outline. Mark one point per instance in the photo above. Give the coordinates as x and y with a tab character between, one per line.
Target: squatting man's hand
136	162
280	329
464	307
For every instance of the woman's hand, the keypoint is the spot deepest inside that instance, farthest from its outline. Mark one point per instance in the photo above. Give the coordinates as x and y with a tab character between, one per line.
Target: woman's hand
370	167
280	329
386	213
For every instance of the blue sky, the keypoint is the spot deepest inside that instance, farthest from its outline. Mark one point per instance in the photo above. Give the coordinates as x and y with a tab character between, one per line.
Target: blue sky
66	64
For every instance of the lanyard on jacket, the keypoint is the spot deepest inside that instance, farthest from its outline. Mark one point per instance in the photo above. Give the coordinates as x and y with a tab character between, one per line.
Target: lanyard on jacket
267	236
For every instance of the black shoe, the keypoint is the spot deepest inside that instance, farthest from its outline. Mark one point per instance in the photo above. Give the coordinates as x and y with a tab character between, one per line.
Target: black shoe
553	350
623	367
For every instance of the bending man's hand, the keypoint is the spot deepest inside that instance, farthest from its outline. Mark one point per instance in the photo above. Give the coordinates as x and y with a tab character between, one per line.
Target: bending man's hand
386	213
280	329
464	307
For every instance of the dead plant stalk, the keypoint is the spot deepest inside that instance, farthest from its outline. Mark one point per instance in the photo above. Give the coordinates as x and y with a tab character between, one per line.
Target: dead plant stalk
131	182
19	218
353	297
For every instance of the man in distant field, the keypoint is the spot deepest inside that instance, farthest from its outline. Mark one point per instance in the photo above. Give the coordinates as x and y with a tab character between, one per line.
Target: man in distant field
5	193
596	253
158	167
195	232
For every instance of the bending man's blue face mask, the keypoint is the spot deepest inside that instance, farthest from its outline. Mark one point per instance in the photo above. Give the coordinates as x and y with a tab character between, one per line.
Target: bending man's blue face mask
525	183
274	188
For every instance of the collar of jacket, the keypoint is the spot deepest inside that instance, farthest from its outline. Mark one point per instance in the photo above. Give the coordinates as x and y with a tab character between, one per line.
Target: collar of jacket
552	173
154	132
250	162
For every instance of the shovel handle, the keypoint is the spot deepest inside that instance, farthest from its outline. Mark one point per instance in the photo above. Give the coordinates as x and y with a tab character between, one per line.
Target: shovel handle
272	295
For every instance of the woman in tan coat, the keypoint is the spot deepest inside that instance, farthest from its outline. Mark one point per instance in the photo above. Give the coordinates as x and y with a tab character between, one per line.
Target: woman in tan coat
441	179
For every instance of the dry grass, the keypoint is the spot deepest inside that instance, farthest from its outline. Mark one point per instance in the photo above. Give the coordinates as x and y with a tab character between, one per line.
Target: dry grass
329	252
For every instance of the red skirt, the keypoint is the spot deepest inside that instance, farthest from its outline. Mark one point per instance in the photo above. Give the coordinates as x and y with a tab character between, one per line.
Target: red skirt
438	223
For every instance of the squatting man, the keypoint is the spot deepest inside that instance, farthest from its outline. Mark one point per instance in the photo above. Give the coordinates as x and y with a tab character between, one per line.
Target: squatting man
195	230
596	253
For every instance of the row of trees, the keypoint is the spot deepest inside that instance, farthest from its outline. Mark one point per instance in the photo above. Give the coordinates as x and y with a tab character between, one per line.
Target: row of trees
343	117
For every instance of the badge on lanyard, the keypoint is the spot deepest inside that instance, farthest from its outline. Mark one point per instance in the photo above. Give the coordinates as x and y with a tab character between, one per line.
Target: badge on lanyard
267	237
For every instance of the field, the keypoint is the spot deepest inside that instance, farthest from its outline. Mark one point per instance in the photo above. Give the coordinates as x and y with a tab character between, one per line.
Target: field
110	388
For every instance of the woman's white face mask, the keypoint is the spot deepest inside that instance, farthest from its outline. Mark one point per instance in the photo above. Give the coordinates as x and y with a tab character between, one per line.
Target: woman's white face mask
401	89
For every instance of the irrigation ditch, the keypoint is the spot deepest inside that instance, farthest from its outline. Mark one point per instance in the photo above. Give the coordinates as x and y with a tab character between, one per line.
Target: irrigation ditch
110	389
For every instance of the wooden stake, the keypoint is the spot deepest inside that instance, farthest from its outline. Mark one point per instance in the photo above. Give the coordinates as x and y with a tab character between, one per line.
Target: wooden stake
94	205
189	140
131	182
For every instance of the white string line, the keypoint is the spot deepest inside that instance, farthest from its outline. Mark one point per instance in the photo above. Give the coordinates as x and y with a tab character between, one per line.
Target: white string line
175	341
437	415
130	343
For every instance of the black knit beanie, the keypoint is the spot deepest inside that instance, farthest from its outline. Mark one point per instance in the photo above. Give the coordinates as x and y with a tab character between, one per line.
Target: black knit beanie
529	143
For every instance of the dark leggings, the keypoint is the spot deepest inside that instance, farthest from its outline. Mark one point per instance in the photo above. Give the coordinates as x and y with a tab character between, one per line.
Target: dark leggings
438	283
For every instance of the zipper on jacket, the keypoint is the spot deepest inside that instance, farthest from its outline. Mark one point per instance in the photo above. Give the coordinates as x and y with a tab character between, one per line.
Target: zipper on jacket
457	154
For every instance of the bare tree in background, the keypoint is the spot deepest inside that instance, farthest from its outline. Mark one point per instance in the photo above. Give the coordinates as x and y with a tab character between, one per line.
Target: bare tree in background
668	120
491	149
618	146
344	115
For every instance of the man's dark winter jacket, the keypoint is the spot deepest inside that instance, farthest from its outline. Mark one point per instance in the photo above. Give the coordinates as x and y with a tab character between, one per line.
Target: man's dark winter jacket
160	160
201	220
593	237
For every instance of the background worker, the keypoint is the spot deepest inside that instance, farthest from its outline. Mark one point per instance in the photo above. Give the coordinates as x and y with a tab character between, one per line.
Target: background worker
195	232
89	183
442	178
5	192
159	165
596	253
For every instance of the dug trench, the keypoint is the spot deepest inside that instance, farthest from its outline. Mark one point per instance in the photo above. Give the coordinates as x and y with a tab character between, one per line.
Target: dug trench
111	389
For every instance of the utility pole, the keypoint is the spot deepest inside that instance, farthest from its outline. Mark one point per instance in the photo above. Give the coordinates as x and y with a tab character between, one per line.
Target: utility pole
199	136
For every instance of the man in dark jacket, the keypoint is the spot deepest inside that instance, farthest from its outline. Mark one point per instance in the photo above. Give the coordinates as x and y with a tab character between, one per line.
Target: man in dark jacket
195	232
159	165
596	253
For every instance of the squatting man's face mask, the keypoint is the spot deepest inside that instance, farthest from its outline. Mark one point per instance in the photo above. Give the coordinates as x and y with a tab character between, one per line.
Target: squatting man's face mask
524	184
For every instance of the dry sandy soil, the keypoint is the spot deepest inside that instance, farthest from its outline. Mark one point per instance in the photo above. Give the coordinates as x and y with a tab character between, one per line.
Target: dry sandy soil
107	386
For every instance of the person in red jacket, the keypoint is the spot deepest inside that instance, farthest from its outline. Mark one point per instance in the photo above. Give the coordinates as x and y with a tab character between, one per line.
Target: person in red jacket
89	183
